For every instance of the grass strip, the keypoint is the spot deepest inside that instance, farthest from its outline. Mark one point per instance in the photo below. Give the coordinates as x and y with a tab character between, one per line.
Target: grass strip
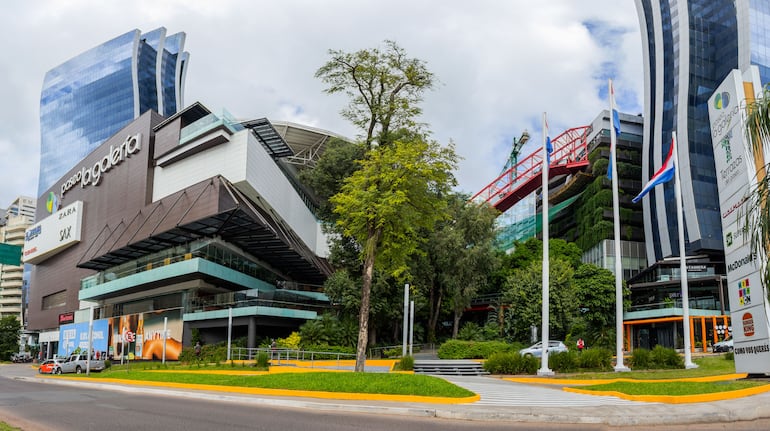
707	366
5	427
366	383
672	388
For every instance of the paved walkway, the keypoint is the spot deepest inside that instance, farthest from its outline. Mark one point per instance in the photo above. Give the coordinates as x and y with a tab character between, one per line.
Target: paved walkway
497	392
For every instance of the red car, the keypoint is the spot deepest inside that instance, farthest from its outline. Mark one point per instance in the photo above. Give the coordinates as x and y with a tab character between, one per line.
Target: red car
51	366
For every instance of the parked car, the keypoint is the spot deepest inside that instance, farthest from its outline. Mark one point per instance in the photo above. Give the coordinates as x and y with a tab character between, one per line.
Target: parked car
78	363
725	345
21	357
537	348
50	366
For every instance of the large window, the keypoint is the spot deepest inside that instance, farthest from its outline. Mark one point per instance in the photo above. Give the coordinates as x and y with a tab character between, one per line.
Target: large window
58	299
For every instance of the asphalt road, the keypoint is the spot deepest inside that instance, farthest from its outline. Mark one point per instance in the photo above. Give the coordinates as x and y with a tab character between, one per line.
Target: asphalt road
36	406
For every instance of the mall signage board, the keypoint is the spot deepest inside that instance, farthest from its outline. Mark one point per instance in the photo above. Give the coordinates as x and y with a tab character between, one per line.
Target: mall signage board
53	234
734	162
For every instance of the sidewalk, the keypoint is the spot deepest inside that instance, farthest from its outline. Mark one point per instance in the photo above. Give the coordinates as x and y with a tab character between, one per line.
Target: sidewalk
500	400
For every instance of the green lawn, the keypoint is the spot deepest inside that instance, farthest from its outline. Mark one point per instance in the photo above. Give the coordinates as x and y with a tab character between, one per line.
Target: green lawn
5	427
673	388
368	383
707	366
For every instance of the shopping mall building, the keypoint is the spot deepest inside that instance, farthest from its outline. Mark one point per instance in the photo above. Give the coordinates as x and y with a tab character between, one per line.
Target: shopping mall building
176	225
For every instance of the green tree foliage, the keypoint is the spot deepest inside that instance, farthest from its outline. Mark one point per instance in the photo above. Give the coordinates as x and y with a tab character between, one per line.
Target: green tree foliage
385	205
10	331
457	260
384	89
595	293
339	160
523	293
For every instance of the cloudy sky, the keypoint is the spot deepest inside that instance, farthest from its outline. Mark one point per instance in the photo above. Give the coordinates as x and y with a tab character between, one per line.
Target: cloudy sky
500	64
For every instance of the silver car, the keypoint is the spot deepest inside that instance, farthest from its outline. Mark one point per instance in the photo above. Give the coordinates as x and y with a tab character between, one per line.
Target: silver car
537	348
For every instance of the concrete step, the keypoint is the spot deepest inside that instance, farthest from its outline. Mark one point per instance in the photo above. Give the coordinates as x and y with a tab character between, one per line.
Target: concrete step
449	367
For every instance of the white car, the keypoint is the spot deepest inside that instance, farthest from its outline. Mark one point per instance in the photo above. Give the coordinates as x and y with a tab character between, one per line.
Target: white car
723	346
537	348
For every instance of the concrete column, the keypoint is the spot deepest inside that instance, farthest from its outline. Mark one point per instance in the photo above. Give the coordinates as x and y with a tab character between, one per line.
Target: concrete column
252	337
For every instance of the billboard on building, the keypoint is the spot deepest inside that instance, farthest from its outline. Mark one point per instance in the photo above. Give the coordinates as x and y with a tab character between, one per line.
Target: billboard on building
140	336
735	164
53	234
75	336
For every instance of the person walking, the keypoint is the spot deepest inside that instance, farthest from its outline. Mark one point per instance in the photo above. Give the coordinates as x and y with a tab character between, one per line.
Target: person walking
197	349
580	345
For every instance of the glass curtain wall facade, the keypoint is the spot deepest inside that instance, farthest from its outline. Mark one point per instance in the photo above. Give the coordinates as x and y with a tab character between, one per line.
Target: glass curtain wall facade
689	47
90	97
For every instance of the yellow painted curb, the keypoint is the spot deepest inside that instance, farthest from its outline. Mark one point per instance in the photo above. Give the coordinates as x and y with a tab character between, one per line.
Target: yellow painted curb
584	382
678	399
285	392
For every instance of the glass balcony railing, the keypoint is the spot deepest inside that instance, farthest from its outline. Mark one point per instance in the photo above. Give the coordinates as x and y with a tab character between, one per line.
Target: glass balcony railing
208	123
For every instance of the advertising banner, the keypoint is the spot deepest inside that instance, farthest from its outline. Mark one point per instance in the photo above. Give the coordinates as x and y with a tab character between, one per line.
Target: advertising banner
140	336
75	335
734	162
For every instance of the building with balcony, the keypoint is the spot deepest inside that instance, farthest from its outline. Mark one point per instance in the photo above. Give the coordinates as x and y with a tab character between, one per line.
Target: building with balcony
13	283
87	99
180	222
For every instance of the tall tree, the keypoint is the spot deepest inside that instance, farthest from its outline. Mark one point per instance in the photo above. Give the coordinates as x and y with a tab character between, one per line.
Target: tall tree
384	205
10	330
384	87
595	295
523	293
457	259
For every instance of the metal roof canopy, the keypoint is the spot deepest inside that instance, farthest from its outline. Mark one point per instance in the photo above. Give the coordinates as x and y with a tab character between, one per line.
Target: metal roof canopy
308	143
270	138
247	226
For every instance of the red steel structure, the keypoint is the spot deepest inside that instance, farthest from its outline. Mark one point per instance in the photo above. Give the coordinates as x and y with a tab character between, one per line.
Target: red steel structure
570	154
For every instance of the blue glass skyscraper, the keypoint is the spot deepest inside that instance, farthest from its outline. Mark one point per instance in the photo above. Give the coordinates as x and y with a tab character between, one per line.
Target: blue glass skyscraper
89	98
689	47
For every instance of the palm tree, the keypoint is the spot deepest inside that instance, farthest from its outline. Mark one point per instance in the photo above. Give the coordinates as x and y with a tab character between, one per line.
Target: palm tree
757	218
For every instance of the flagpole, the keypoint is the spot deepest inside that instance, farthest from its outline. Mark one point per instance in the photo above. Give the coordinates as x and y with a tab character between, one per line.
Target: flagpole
682	259
619	365
544	370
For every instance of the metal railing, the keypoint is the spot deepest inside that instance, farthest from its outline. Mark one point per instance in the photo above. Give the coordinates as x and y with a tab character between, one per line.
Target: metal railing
286	355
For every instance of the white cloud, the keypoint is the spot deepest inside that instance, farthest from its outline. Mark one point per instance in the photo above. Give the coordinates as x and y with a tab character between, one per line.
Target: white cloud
500	64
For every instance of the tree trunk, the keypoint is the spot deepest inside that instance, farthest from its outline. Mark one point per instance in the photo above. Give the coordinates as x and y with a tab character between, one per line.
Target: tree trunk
366	291
456	325
435	311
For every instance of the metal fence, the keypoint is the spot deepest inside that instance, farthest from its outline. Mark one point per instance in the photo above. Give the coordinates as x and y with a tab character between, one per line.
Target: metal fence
286	355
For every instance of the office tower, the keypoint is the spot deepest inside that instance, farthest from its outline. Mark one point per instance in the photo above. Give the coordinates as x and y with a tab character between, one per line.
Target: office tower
92	96
689	47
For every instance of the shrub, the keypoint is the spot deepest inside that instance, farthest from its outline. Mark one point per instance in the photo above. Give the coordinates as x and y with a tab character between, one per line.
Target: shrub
598	359
658	358
291	342
510	363
666	357
406	363
563	362
457	349
641	358
470	331
262	360
107	363
730	356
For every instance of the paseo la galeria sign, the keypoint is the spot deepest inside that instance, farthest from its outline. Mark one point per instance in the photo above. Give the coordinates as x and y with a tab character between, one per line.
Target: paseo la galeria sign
92	175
